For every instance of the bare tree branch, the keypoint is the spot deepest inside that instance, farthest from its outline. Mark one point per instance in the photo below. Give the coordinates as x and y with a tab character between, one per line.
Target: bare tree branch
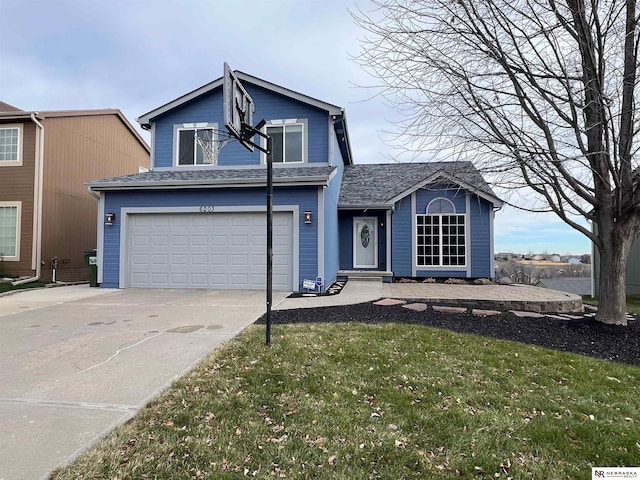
540	94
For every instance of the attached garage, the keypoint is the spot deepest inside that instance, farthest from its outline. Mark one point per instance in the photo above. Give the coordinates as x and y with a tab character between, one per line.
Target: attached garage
211	251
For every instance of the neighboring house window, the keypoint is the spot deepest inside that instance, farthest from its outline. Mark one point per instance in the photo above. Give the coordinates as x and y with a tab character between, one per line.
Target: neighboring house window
441	235
10	231
188	149
288	140
10	141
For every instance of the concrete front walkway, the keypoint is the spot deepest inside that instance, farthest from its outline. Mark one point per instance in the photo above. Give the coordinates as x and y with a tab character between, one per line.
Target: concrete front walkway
498	297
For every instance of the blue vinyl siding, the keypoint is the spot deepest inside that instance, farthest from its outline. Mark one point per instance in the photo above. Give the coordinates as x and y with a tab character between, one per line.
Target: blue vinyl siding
306	198
269	106
401	241
441	273
481	261
331	239
345	231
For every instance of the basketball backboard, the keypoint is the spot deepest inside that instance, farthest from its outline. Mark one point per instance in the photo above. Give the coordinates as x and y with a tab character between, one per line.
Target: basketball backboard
238	108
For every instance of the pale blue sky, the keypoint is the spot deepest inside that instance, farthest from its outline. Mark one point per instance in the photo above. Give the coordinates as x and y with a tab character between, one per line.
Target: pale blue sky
136	55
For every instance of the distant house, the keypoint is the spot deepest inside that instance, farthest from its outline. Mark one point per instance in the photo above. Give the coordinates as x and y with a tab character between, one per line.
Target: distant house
48	218
192	224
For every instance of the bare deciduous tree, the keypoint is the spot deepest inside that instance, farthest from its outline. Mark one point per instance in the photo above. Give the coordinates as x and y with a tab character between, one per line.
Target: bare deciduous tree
539	93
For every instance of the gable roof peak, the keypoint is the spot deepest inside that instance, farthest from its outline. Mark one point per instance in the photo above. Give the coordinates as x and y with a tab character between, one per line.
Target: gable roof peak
146	118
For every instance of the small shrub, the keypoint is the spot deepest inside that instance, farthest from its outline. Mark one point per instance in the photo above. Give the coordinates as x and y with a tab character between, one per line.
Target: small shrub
505	281
429	280
455	281
407	280
482	281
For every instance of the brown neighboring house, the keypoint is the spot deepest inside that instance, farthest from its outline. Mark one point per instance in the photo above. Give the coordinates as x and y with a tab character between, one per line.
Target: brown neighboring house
47	216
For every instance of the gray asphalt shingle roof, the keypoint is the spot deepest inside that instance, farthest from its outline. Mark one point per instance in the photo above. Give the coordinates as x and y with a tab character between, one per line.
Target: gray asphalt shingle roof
214	176
377	184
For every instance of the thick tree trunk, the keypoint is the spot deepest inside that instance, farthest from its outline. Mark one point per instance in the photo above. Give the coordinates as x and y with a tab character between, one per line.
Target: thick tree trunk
613	272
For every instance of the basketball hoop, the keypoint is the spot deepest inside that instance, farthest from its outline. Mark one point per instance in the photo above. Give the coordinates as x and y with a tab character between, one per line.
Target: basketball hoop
210	143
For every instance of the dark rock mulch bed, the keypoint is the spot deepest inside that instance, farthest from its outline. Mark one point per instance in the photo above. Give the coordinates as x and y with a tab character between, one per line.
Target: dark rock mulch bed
583	336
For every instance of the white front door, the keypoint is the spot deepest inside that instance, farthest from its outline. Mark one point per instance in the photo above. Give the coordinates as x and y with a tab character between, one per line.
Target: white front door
365	242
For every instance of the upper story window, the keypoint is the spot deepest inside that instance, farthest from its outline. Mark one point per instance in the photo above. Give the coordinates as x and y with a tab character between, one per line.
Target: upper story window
288	140
188	150
10	143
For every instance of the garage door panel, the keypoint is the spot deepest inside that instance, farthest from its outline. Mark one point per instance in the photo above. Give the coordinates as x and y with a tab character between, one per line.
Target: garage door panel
179	279
198	280
159	278
140	278
241	240
140	240
218	251
219	240
199	240
241	220
199	260
179	260
160	221
160	240
179	240
219	260
159	259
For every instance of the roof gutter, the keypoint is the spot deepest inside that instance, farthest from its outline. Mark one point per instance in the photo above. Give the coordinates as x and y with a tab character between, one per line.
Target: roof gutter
37	204
92	193
222	183
368	206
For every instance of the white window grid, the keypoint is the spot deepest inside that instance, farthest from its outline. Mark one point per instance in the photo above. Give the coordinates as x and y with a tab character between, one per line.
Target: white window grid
9	144
441	240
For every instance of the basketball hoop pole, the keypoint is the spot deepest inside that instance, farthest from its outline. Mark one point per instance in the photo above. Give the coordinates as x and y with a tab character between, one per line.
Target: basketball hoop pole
269	238
248	132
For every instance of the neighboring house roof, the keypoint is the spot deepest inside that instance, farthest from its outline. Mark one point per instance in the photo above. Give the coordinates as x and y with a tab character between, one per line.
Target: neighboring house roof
337	113
21	114
219	177
5	107
576	285
382	184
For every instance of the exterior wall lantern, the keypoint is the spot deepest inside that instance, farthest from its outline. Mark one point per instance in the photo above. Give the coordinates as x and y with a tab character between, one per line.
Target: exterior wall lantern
109	218
307	217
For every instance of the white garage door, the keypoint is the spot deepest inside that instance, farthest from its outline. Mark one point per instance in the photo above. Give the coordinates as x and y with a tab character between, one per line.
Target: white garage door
216	251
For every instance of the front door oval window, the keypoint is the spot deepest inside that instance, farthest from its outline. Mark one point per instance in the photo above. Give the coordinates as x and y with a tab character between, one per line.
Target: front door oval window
365	236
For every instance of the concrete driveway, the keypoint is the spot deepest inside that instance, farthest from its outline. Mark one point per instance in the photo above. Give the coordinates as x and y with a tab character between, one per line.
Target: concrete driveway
77	361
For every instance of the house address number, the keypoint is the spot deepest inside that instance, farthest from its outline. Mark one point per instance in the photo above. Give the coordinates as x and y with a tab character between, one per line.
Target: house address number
206	209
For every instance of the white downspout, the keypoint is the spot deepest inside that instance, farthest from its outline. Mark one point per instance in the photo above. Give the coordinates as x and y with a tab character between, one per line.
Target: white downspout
37	203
